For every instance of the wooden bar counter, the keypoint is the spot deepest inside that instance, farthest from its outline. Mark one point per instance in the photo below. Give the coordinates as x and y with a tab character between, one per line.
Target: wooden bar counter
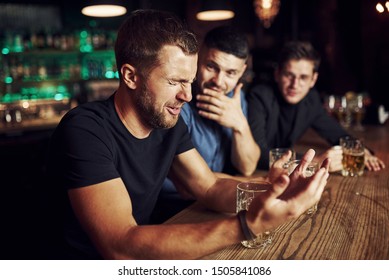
352	221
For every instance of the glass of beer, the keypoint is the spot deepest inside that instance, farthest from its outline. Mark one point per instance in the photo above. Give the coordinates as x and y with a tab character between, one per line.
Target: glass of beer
245	193
353	160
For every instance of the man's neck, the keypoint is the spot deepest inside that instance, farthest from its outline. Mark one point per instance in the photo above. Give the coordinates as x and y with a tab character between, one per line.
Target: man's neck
129	116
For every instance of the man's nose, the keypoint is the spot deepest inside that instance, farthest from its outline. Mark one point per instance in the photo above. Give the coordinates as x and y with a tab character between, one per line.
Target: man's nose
185	94
294	81
218	78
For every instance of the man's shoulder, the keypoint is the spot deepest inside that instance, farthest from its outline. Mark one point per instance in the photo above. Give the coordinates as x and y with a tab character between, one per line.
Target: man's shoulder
313	97
187	108
188	113
99	107
263	94
89	115
262	91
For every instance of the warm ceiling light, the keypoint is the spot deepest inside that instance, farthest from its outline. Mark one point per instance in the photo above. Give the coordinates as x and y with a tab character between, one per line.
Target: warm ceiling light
266	11
100	8
215	15
380	8
213	10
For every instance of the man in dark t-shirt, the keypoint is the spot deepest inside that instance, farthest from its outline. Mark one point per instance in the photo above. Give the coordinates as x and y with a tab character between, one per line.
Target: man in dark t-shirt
106	150
108	159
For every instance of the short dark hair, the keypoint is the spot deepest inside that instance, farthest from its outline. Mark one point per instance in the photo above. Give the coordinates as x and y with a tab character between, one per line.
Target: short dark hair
143	34
297	50
229	40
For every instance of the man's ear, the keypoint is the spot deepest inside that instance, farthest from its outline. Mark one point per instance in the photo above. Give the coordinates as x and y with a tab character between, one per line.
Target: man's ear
129	75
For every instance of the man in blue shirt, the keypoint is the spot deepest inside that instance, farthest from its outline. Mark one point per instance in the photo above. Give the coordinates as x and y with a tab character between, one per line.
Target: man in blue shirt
217	115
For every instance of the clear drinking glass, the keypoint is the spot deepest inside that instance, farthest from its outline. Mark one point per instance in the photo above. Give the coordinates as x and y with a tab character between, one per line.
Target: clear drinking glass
343	112
245	193
330	105
358	113
277	153
311	169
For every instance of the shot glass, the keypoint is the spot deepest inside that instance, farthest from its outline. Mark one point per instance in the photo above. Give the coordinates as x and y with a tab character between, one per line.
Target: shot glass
311	169
353	161
245	193
277	153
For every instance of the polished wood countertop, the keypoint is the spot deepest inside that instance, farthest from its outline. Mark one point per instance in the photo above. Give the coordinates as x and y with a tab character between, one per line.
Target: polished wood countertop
352	221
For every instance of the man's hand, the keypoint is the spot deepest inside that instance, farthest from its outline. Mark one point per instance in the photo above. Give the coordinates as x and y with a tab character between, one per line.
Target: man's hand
335	154
277	169
289	197
297	178
372	162
220	108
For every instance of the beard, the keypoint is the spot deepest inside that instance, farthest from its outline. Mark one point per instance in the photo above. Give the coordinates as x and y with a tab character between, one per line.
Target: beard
145	103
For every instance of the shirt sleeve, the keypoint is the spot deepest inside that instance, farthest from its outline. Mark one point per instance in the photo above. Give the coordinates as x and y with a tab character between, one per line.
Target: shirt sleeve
243	102
185	142
81	154
257	116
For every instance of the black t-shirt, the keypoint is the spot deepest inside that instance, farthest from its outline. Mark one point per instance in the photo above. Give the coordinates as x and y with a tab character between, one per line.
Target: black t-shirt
276	124
91	145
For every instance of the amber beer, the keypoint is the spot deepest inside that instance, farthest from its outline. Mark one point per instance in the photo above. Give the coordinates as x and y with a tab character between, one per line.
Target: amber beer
353	163
353	156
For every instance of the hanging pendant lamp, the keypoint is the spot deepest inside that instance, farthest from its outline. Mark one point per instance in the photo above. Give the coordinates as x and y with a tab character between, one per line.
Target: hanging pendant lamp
212	10
104	8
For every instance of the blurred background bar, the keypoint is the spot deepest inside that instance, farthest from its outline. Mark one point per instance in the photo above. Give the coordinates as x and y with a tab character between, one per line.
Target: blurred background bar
53	58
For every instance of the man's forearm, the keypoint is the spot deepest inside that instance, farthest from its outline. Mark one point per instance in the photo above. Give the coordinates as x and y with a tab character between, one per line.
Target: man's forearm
245	152
185	241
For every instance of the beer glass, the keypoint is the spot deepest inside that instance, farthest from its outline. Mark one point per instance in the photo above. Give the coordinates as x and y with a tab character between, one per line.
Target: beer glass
353	160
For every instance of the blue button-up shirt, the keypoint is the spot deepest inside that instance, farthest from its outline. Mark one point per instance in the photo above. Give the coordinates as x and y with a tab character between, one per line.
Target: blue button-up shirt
211	140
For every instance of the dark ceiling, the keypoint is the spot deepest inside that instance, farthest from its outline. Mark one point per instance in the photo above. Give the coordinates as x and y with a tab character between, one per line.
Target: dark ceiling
245	19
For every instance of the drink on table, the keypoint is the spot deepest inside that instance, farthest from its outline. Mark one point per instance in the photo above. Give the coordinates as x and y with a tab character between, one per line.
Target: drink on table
353	163
245	193
353	160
